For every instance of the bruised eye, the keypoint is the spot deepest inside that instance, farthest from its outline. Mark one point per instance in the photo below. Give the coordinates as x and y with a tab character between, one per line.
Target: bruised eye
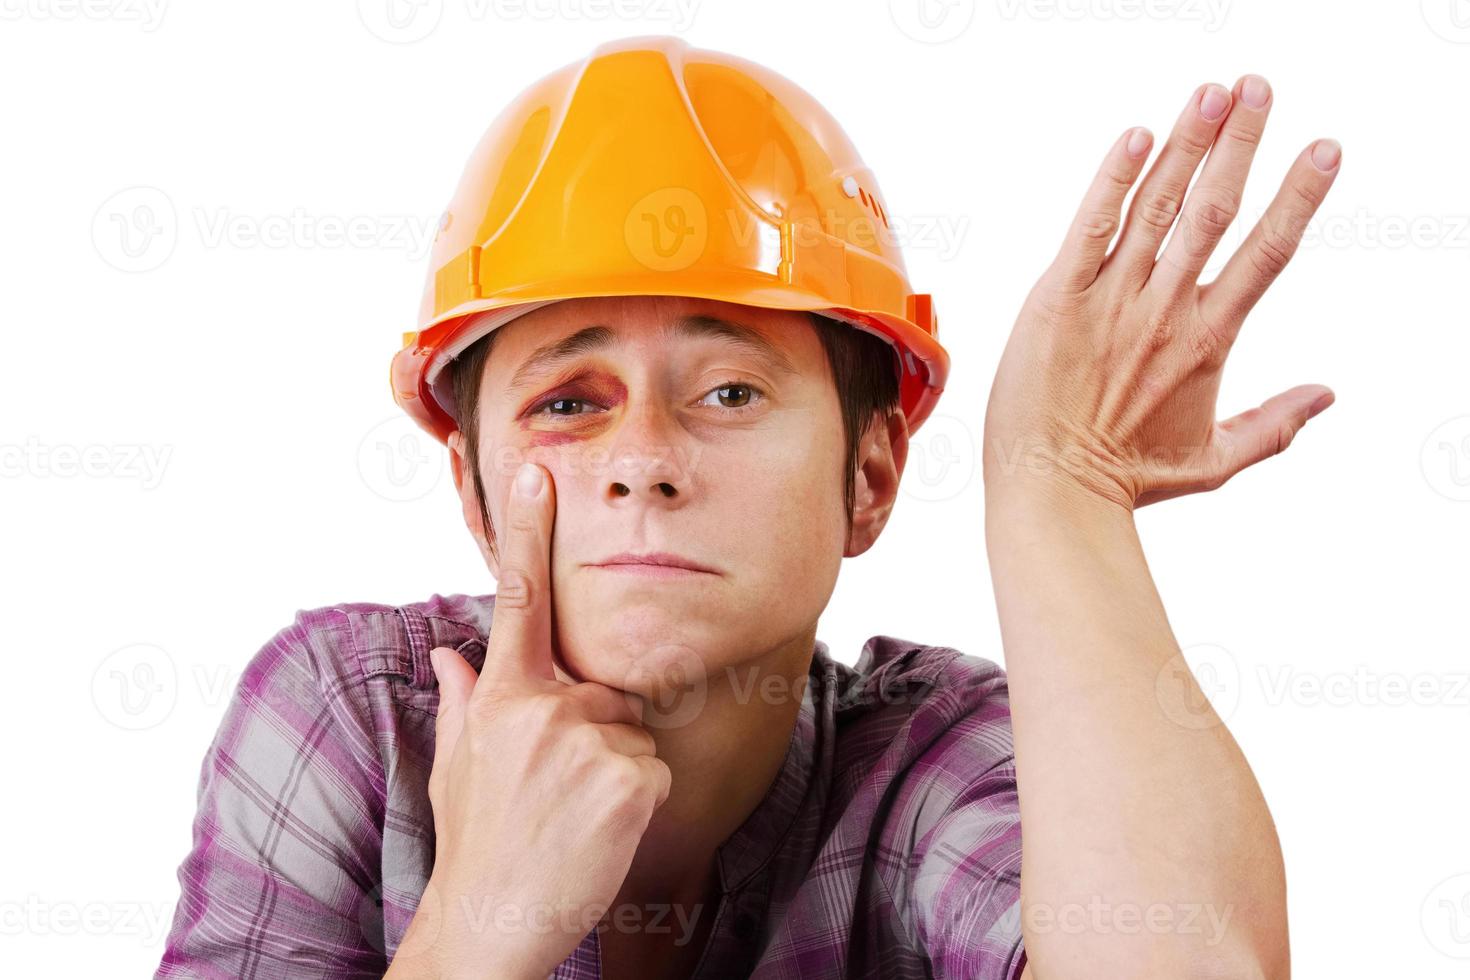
734	395
562	406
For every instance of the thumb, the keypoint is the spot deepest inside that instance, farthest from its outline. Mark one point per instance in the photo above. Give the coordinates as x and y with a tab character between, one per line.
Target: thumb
1262	432
456	680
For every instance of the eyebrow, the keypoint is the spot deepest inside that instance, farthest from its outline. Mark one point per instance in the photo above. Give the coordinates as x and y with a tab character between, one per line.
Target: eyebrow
599	337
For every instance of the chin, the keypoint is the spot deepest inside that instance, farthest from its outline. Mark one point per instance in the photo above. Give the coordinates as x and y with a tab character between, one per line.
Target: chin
638	648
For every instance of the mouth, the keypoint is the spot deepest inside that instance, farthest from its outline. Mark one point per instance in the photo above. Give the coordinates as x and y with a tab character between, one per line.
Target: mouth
658	564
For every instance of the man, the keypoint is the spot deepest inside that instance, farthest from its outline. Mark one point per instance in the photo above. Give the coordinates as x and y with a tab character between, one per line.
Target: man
635	759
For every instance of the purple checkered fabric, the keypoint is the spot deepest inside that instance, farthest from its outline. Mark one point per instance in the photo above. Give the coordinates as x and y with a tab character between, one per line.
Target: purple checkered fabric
888	846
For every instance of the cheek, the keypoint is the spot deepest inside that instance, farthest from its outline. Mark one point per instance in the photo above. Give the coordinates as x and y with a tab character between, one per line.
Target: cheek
786	513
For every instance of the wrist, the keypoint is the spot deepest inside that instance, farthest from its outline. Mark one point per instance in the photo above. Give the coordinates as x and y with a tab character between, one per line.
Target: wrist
444	942
1061	472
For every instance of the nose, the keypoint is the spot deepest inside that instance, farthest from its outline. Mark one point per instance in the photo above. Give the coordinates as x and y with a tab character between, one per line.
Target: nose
648	461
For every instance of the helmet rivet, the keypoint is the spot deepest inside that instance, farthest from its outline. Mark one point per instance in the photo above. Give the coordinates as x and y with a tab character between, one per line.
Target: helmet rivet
850	186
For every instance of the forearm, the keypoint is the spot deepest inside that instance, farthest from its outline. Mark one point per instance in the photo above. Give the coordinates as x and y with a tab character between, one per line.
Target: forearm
1148	847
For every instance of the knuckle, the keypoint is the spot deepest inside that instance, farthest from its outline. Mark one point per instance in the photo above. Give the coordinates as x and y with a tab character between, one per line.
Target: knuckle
586	744
516	590
1306	193
1247	137
1097	226
1118	180
1208	343
1158	332
1157	210
548	710
1214	211
1284	435
1194	141
1271	254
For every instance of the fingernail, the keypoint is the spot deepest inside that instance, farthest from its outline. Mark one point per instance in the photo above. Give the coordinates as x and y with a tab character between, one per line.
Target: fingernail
1255	91
528	480
1138	142
1214	103
434	661
1326	154
1322	402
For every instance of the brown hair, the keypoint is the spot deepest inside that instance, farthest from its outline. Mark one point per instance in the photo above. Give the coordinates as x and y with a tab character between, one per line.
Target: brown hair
864	370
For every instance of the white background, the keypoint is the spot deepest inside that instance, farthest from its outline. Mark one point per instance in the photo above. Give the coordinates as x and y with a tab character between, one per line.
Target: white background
228	385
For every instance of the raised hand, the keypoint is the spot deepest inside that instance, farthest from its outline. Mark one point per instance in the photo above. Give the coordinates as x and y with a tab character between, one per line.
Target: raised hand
541	787
1110	377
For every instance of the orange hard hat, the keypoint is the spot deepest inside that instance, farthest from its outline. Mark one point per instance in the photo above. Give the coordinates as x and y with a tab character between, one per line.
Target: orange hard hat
654	168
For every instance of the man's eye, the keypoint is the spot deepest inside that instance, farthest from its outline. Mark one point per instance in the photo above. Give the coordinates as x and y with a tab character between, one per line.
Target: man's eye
559	406
741	395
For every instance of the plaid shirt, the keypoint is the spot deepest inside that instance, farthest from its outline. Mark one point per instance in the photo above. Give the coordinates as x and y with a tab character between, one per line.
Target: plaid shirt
888	846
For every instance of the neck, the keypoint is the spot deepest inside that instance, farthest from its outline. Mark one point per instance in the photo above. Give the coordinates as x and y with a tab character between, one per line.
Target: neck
723	759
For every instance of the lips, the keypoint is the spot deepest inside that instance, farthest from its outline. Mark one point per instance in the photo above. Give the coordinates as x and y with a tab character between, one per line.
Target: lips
654	560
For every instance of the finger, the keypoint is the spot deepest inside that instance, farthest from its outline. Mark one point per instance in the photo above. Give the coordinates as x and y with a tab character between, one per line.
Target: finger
629	740
1097	219
1274	239
1156	204
604	705
1214	201
1262	432
456	680
519	644
657	773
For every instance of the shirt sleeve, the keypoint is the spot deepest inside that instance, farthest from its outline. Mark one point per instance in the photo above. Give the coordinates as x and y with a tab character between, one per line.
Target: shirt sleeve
281	879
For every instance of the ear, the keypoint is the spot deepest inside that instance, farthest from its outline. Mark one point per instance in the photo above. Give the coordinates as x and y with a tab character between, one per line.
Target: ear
882	452
464	485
